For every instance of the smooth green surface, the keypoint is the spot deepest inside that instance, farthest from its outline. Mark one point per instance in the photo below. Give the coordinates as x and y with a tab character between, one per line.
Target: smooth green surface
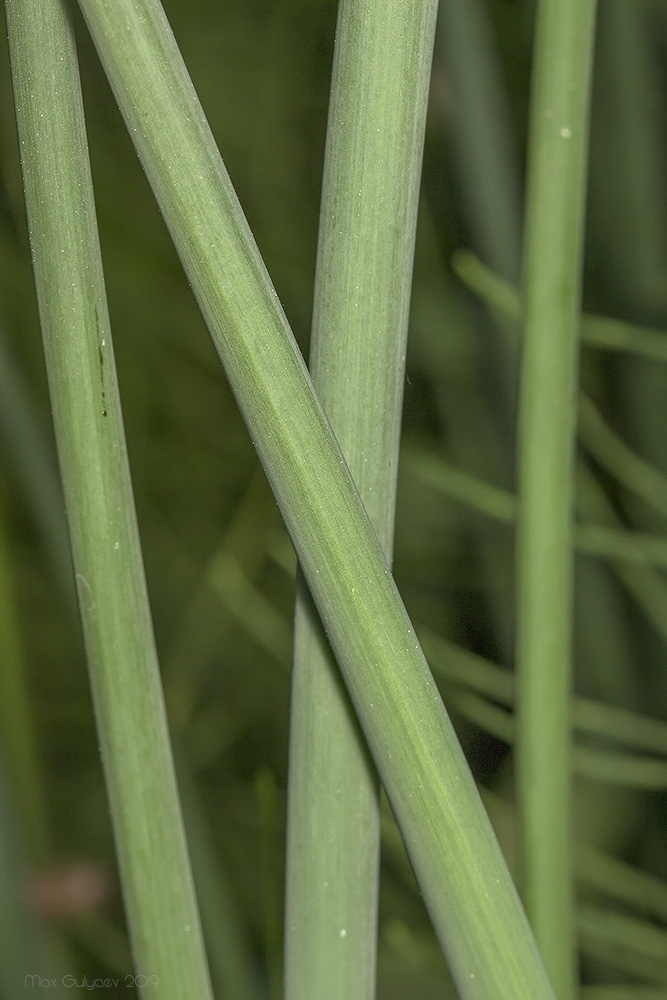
368	216
455	855
123	667
558	145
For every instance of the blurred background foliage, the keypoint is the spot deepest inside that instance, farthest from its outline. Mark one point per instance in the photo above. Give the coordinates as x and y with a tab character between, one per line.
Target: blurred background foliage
220	568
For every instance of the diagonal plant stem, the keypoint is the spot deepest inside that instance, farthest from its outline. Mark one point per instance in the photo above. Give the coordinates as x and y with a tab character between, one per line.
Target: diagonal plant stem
123	667
553	254
464	879
362	291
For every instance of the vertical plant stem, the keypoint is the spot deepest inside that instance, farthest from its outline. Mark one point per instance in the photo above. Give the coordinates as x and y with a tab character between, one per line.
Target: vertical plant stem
367	226
457	860
157	885
553	252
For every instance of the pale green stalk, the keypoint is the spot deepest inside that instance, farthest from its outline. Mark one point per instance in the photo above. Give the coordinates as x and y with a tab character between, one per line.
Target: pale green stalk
553	252
123	667
362	292
464	879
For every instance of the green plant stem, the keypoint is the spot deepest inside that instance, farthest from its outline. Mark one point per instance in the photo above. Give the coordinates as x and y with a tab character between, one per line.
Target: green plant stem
553	251
464	879
123	667
367	228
